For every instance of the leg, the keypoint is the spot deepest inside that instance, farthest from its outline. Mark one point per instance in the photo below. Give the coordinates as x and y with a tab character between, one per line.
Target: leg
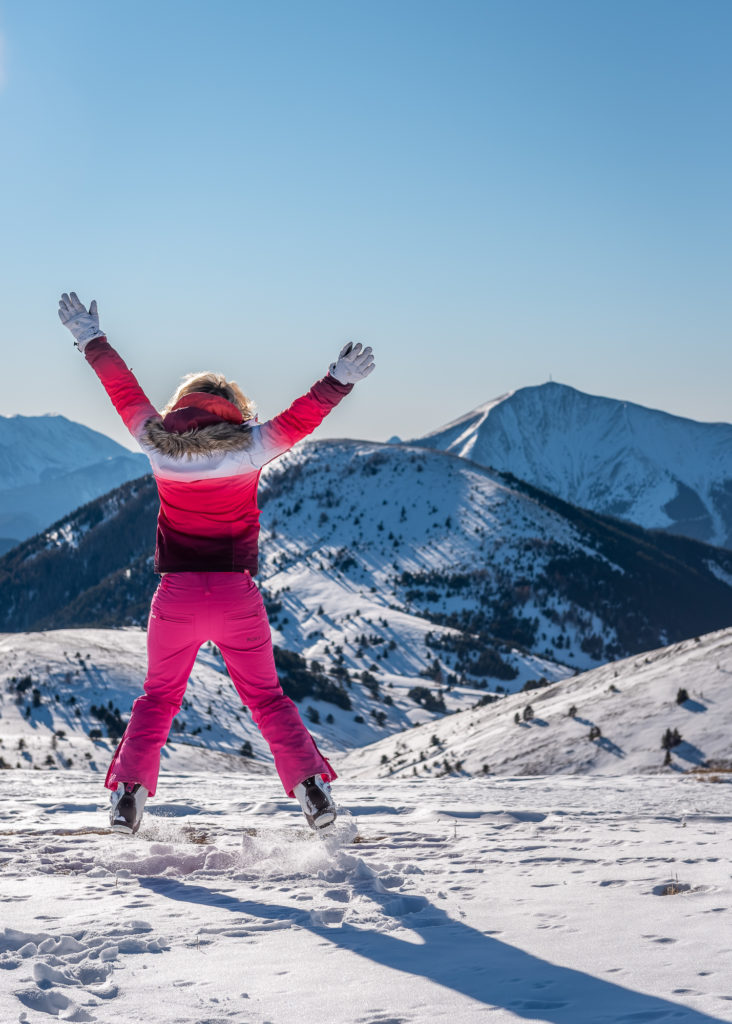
172	646
246	645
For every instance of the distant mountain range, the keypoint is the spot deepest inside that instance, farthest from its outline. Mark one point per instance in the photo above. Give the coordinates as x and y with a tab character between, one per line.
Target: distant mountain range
397	561
612	457
616	458
49	466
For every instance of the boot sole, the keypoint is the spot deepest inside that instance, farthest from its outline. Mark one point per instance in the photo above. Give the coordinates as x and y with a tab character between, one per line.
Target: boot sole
123	829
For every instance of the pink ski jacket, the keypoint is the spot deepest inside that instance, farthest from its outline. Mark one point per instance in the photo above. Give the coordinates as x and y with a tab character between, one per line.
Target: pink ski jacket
206	463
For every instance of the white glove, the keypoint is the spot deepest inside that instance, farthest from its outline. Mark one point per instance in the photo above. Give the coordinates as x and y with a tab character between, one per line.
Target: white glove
353	364
83	324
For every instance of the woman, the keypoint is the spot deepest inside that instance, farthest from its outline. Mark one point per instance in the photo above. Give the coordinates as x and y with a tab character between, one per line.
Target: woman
207	451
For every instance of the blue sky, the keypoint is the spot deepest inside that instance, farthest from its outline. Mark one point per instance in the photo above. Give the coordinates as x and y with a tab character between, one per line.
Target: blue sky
489	193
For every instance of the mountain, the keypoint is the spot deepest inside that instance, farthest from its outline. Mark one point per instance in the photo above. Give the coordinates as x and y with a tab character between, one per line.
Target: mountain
616	458
395	563
679	694
49	466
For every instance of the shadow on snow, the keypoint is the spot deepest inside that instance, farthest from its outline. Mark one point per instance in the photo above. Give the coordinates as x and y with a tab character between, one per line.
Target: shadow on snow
463	959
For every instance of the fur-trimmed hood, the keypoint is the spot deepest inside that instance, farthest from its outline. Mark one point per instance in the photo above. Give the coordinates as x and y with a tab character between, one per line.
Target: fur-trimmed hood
199	440
198	424
216	437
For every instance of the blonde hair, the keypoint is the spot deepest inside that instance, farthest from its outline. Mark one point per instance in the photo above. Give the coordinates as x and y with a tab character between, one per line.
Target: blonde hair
212	384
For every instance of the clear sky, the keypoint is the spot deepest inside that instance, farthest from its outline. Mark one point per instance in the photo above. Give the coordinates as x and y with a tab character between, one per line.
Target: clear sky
488	192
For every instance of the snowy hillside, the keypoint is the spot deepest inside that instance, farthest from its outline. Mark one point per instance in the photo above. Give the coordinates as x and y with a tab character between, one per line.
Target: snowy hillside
634	704
616	458
65	696
50	466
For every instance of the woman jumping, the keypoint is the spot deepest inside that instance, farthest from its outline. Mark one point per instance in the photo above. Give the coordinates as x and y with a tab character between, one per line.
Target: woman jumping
207	452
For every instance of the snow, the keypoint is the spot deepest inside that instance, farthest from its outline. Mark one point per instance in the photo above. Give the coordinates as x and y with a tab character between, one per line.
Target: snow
455	899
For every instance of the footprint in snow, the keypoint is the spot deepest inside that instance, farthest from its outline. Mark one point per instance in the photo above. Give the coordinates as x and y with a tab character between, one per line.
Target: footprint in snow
71	973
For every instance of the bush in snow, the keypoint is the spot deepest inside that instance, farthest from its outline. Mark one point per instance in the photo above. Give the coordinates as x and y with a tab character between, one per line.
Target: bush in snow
671	738
528	713
21	685
427	699
682	696
534	684
112	718
301	680
371	683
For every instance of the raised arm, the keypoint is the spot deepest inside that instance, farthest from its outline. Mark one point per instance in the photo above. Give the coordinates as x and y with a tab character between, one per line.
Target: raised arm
279	434
118	381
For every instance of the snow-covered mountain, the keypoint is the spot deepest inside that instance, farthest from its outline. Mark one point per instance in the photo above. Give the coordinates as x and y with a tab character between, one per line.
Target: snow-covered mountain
615	458
501	572
681	692
49	466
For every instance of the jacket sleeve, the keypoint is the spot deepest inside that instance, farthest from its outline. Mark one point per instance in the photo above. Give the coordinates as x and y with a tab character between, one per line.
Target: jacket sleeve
119	382
278	435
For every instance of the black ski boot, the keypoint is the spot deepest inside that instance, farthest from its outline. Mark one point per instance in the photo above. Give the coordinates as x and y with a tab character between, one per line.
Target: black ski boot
128	801
316	801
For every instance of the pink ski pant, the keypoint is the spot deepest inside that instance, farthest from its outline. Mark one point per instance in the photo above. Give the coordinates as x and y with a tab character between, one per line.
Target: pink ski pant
189	608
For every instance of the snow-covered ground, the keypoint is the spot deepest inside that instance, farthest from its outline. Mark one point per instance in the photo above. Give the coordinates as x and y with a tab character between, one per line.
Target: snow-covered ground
577	882
568	899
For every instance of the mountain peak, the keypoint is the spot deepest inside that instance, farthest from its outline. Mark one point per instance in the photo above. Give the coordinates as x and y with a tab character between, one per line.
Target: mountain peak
613	457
